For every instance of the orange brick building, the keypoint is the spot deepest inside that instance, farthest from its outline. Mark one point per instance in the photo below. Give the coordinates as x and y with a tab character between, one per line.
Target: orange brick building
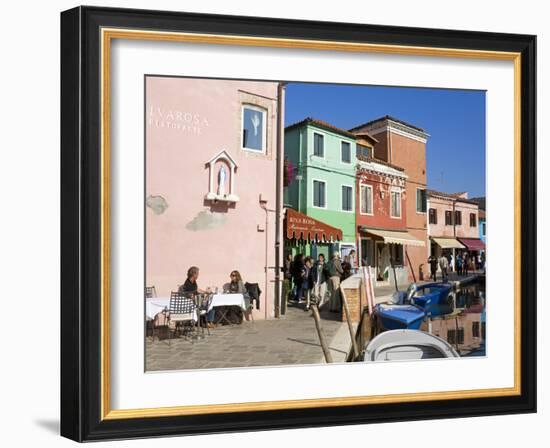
404	145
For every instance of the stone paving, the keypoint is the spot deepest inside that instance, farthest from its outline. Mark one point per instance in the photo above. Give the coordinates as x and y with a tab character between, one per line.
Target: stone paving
292	339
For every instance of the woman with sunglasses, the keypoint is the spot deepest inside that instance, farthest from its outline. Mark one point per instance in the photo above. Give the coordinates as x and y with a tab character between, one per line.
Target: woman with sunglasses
236	285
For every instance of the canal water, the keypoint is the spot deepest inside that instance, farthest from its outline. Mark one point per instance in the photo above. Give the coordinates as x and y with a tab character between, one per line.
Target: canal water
464	327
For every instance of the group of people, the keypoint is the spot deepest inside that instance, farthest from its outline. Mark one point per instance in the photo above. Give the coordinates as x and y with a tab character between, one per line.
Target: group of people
464	263
191	288
317	280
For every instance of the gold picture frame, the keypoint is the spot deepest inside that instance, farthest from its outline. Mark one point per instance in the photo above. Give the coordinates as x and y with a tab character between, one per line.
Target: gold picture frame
107	26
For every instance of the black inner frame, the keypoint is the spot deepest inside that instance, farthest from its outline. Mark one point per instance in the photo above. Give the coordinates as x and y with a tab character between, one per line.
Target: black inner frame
80	223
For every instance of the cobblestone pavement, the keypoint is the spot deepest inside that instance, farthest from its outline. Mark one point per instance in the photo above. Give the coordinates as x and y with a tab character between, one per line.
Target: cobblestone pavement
291	339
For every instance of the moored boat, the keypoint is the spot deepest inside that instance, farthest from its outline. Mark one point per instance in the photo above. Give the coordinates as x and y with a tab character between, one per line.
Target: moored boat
399	316
433	298
407	345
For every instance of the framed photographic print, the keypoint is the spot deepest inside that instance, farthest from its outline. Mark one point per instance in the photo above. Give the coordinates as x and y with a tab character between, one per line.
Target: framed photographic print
274	223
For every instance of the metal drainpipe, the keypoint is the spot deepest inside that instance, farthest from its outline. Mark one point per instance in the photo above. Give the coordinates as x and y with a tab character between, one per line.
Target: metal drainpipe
278	190
266	285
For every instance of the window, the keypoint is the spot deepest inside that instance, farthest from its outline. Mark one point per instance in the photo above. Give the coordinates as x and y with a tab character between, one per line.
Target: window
347	198
448	218
366	199
367	252
421	200
458	217
476	332
451	336
346	152
455	336
363	151
460	336
395	206
473	220
432	216
483	229
318	145
319	194
253	128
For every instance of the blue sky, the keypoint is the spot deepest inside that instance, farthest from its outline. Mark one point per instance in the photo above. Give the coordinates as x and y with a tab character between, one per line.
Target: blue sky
455	120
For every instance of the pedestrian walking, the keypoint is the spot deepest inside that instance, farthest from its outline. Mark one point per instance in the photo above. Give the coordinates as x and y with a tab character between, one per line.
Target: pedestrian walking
346	268
335	272
432	261
287	276
298	273
444	266
466	263
320	278
352	261
473	263
308	281
459	262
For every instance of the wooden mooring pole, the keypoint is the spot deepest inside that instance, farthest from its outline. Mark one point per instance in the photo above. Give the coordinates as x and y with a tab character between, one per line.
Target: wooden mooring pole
322	340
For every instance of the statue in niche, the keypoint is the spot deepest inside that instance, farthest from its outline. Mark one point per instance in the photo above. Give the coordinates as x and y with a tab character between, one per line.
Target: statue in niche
255	122
222	176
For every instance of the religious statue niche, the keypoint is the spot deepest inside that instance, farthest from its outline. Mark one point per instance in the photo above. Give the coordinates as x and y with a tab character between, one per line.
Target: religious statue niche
221	171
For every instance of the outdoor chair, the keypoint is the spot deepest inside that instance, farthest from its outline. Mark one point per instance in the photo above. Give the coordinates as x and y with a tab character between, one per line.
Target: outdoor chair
249	305
183	311
150	292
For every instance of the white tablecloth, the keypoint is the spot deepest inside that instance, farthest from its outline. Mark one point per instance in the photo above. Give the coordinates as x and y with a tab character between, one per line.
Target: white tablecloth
227	300
155	305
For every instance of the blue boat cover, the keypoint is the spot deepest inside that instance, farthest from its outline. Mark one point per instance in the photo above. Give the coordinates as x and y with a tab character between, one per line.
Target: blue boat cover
405	314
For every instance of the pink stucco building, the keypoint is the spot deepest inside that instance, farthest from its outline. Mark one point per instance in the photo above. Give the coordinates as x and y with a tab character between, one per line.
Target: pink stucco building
213	183
452	222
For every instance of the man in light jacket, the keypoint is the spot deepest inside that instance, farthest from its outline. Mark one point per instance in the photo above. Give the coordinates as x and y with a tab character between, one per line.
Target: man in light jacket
335	272
320	279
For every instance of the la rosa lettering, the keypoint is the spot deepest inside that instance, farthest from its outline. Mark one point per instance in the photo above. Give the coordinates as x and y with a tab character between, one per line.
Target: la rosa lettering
176	119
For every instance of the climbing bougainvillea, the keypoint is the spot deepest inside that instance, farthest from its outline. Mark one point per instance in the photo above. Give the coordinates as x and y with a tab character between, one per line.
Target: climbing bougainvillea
289	173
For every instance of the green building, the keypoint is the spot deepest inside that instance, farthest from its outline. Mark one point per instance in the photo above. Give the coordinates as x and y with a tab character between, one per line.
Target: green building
324	158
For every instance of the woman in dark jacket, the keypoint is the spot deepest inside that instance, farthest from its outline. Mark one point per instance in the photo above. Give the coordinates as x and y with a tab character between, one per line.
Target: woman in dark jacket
298	276
309	280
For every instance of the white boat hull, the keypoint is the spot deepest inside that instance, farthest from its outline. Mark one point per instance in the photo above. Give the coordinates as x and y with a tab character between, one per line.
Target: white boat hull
395	345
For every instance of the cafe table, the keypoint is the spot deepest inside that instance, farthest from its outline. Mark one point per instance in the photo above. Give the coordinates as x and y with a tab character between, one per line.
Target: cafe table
155	305
226	300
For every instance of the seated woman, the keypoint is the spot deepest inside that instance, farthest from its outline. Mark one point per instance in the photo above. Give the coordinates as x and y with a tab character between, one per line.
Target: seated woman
235	286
